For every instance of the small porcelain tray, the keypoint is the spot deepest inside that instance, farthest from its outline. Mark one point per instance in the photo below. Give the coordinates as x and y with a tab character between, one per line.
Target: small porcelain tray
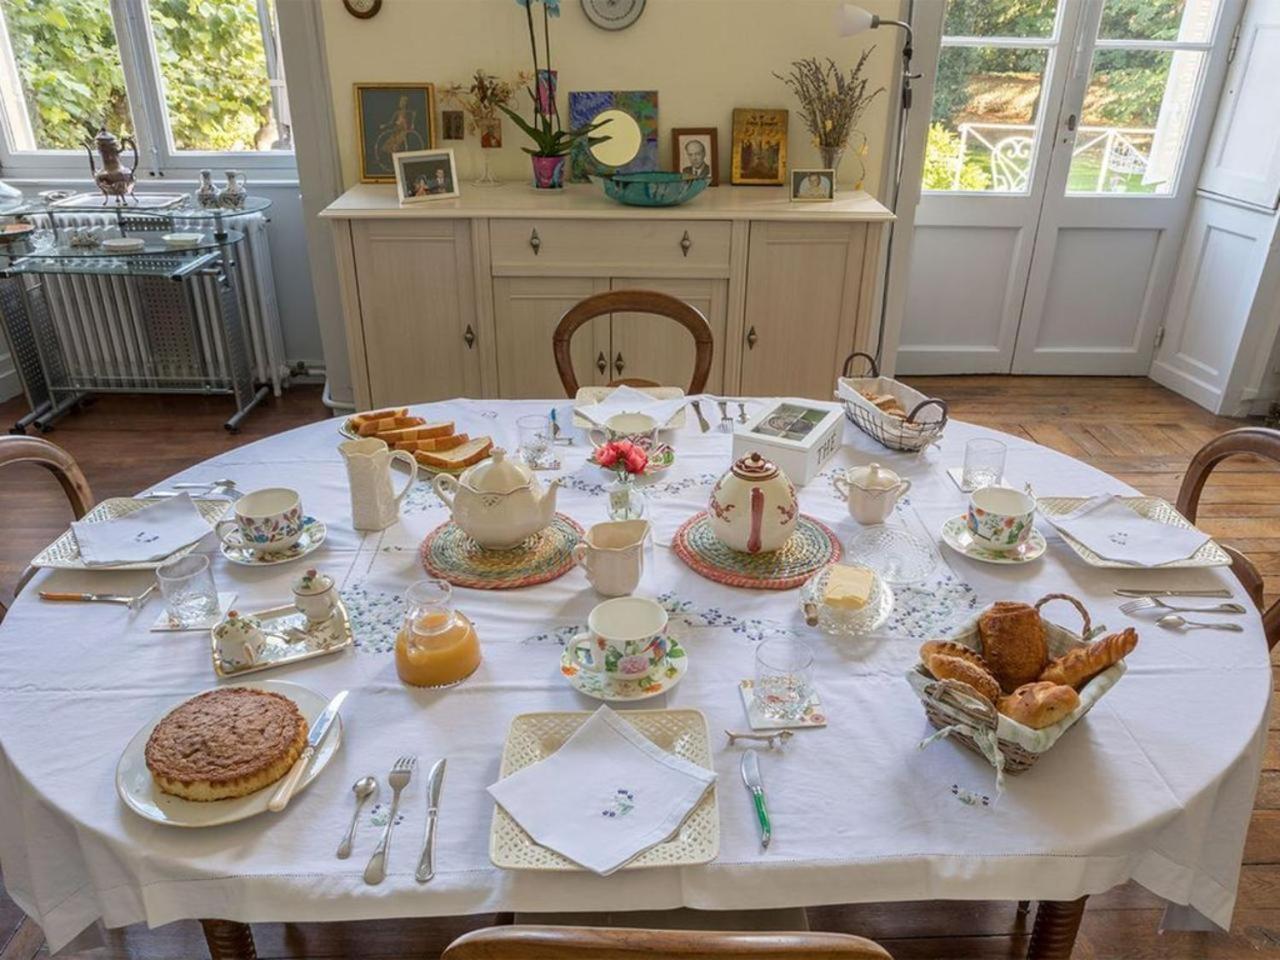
64	553
535	736
318	641
589	395
1153	508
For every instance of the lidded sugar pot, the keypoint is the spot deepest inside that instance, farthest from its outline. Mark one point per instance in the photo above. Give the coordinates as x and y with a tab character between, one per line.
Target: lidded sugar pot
872	491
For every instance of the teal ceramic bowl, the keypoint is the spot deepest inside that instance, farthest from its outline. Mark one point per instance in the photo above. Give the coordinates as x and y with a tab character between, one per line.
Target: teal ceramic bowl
656	188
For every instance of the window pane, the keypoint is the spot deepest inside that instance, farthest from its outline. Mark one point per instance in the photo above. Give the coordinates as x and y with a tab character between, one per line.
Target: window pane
1185	20
65	63
982	134
223	82
1136	112
1000	18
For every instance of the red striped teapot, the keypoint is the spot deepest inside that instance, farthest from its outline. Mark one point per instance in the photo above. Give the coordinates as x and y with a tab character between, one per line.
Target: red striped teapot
753	506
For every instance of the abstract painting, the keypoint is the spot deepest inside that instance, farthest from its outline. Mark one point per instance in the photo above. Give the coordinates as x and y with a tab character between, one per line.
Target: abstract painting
640	105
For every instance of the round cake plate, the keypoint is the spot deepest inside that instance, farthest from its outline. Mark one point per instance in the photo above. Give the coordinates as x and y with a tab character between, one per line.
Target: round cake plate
313	534
811	547
956	535
600	687
451	555
852	623
897	556
141	795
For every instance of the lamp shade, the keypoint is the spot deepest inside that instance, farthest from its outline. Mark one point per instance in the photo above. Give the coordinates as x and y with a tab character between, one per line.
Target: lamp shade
851	19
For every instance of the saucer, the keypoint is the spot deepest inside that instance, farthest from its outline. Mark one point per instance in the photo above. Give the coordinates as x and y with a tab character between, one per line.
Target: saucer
313	533
601	688
662	456
957	536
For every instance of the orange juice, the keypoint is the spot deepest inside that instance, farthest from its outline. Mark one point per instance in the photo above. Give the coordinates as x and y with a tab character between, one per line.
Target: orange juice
436	653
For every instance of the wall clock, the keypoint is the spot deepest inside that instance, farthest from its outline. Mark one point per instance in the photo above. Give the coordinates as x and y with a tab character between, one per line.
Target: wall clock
613	14
364	9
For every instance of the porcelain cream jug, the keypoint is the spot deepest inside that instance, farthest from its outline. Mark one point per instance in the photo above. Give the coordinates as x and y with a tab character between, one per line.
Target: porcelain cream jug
374	505
753	507
872	492
499	503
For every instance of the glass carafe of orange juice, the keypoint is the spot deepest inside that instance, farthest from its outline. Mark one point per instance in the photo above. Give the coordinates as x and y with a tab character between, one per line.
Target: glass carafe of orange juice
437	646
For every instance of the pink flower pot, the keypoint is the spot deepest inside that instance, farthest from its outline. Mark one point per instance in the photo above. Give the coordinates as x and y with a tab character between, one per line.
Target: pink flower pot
548	172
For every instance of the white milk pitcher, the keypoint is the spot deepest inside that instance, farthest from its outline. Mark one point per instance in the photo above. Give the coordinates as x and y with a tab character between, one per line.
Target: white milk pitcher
374	505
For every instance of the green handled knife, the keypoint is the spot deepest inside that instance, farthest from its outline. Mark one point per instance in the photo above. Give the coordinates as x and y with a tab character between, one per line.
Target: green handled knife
751	777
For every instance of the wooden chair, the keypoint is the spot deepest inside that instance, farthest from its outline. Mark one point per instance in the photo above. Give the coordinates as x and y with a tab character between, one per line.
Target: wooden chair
620	943
633	301
1260	442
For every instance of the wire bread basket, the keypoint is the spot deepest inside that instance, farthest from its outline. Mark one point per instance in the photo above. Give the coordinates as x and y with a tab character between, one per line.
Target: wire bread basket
1011	747
926	416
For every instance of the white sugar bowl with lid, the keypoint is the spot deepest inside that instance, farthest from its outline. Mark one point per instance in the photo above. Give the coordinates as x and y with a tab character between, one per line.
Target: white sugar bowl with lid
315	596
500	503
240	640
753	506
872	492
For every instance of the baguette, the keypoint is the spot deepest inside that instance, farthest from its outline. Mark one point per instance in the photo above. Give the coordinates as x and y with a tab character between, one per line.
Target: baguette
423	431
436	445
473	451
1076	667
373	427
368	415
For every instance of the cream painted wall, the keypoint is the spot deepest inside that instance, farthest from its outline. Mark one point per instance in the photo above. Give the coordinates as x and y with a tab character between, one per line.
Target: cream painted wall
704	57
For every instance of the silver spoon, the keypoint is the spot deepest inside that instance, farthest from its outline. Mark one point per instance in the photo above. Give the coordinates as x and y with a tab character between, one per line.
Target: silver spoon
742	412
364	788
1172	620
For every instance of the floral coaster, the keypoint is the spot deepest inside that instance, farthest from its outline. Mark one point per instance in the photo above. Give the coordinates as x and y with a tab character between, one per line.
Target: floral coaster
164	624
812	716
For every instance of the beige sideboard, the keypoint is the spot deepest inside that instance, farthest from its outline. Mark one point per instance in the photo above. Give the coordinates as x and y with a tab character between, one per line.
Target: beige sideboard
460	297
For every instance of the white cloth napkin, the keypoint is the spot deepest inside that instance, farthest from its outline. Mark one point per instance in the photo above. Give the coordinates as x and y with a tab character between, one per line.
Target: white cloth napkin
1112	530
151	533
630	400
606	796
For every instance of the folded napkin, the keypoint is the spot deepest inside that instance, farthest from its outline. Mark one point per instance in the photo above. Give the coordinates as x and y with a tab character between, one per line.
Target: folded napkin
1112	530
606	796
151	533
630	400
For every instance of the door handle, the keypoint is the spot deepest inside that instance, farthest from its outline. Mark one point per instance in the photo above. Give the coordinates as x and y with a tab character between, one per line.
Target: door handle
601	363
1071	123
685	243
535	241
618	365
469	337
751	338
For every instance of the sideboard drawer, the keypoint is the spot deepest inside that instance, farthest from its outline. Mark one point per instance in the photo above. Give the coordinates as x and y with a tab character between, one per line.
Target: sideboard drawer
609	247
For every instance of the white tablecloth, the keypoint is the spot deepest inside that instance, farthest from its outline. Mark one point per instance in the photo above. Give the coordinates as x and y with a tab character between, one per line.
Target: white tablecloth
1156	784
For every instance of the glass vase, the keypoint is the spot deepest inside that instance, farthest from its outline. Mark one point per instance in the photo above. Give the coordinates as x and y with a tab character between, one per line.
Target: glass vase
626	500
486	178
831	157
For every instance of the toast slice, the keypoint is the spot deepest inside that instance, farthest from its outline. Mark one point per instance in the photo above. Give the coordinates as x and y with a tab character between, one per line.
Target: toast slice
434	445
473	451
373	427
362	418
424	431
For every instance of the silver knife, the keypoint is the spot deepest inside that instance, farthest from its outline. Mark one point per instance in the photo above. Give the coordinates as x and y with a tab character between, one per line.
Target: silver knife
751	777
1172	593
427	861
318	730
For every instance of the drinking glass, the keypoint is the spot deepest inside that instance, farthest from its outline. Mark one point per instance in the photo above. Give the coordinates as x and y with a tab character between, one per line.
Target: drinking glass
983	463
190	595
536	437
784	678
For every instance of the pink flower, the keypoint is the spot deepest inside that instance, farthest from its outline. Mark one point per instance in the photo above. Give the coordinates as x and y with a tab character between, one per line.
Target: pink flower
633	666
607	455
636	460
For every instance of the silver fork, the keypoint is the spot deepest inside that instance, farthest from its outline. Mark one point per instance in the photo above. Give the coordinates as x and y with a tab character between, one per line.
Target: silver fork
726	420
1152	603
401	774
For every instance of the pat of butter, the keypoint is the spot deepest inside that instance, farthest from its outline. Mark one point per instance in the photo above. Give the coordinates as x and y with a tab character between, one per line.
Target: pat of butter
848	588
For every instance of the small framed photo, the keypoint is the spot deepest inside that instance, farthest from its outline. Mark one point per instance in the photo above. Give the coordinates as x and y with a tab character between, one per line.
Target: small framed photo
695	151
759	147
813	186
452	125
423	175
392	118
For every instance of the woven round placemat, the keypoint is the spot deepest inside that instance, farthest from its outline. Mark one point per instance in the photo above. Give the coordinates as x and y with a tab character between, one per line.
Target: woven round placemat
451	555
810	548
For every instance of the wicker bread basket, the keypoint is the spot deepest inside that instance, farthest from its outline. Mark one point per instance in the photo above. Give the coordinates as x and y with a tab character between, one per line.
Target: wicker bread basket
971	718
926	416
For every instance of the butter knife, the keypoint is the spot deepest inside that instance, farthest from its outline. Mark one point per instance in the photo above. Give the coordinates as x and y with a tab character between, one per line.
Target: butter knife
1221	592
751	777
314	739
427	861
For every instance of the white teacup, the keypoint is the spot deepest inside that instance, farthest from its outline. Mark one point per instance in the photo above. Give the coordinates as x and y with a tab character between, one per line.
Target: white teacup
636	427
1000	518
626	639
240	640
613	555
266	521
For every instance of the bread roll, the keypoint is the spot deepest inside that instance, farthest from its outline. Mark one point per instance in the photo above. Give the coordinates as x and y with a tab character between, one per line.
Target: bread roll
931	648
1013	643
1039	705
1077	667
946	667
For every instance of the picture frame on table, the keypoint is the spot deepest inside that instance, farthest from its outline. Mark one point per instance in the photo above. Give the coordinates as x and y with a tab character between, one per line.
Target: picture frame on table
423	175
696	151
816	185
759	147
392	118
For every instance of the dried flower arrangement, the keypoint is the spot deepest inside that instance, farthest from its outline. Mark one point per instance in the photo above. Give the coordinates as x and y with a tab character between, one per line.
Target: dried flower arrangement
481	100
832	102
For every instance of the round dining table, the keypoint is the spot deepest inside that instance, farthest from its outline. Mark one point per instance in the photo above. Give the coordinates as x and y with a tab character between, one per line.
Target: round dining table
1155	784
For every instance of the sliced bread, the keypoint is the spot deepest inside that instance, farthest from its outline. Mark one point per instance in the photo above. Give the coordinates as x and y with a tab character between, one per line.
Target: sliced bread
435	444
473	451
373	427
423	431
361	418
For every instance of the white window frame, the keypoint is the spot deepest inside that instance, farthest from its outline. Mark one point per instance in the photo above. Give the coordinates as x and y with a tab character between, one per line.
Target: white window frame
158	160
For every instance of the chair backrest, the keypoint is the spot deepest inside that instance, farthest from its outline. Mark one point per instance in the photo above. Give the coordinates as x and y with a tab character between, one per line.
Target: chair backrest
610	943
1261	442
633	301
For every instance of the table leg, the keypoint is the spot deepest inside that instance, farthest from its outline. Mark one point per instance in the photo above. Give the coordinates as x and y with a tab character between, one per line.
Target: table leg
229	940
1054	933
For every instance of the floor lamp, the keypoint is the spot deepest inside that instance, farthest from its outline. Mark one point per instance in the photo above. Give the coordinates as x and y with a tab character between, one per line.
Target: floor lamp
850	21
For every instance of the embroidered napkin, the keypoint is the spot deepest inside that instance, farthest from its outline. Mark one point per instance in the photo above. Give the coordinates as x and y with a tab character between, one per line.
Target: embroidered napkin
1112	530
606	796
630	400
151	533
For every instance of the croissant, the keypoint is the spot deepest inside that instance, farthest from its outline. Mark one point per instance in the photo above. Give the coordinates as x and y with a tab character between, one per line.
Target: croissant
1013	643
946	667
1076	667
1039	705
931	648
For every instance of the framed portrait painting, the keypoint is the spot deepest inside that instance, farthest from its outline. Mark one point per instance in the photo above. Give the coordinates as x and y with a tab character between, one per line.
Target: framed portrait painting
759	147
392	118
694	151
423	175
813	186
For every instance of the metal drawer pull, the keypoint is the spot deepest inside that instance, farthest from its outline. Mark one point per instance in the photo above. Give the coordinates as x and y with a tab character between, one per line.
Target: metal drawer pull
685	243
751	338
601	363
618	365
535	241
469	337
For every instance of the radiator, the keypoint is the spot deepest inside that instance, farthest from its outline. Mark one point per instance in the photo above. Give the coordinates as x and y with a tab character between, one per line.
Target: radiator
102	325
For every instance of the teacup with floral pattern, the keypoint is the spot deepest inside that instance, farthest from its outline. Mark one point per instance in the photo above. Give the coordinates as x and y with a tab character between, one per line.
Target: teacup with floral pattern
1000	518
626	639
266	521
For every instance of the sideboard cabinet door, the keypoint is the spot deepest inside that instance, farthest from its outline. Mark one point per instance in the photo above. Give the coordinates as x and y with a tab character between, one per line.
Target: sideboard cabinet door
655	348
417	306
804	284
526	311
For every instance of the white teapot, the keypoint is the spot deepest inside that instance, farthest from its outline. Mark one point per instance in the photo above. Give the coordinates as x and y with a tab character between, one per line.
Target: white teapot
499	503
871	491
753	507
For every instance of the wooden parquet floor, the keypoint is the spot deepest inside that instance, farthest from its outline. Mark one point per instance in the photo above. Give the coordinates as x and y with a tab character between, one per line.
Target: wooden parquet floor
1131	428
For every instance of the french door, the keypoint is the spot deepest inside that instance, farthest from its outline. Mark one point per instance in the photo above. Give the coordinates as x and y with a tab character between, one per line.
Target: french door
1063	145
